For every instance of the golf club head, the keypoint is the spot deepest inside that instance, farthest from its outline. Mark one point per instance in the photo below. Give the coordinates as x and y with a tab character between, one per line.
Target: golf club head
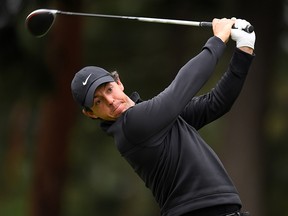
40	21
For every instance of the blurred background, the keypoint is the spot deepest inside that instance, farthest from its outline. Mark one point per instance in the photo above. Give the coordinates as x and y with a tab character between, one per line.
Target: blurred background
54	161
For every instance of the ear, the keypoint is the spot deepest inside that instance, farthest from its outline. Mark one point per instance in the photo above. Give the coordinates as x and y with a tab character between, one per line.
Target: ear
119	83
89	113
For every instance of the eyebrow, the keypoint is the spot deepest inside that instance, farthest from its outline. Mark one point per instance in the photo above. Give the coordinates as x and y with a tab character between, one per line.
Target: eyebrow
100	86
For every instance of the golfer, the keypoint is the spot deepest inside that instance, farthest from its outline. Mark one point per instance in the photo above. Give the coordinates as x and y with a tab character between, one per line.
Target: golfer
159	137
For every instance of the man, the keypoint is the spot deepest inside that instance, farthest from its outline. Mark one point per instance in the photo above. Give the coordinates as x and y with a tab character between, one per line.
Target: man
159	137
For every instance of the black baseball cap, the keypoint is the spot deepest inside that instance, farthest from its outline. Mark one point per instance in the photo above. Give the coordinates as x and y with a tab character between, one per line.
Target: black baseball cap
86	81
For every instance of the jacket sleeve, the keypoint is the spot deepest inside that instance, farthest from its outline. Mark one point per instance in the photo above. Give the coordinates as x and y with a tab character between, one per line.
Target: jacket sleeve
206	108
155	116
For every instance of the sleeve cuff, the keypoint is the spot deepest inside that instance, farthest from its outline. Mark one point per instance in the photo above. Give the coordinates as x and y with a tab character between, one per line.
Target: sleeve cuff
241	61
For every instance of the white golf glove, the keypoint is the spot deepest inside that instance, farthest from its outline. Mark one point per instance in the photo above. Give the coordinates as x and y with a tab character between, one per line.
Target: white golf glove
242	38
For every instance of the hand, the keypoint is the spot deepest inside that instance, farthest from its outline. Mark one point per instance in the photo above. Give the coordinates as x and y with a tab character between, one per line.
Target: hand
243	39
222	28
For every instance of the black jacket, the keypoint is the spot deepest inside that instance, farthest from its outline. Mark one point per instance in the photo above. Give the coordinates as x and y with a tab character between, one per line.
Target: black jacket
159	137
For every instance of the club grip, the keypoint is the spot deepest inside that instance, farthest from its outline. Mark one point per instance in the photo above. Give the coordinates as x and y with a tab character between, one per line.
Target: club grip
205	24
248	28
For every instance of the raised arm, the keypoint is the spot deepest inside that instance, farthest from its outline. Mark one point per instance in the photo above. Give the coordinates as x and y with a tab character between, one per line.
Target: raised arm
208	107
152	116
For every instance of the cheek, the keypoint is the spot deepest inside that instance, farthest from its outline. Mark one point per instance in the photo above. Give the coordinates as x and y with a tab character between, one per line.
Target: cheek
99	110
121	95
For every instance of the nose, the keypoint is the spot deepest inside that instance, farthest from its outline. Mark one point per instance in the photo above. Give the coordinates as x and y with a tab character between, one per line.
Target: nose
109	99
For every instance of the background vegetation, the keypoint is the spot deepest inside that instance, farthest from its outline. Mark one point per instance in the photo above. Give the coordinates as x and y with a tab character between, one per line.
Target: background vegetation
54	161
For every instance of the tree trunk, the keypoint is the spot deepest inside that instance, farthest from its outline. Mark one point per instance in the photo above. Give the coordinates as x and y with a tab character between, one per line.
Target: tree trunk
245	145
56	117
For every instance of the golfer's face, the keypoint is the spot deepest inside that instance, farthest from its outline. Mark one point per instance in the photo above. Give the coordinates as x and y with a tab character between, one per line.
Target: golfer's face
110	101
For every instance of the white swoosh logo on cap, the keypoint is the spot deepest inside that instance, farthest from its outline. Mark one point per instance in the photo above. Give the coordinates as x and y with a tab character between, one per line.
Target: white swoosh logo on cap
85	82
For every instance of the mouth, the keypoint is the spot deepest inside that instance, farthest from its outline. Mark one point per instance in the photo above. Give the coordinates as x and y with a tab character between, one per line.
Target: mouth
116	109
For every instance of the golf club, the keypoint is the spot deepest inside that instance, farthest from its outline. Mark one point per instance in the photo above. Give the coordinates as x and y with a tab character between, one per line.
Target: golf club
40	21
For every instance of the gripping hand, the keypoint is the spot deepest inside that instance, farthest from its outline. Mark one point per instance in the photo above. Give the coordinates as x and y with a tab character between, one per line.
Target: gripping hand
242	38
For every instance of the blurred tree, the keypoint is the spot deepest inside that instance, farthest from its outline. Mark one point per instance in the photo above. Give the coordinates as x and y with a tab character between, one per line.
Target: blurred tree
15	112
57	113
246	145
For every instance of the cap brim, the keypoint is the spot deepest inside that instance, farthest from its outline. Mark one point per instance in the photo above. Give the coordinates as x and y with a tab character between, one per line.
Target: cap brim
89	100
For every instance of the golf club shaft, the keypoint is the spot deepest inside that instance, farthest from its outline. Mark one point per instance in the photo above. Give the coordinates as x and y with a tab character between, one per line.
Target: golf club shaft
40	21
142	19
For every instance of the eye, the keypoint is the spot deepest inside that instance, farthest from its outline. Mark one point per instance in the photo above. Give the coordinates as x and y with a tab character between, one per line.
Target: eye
109	89
97	102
